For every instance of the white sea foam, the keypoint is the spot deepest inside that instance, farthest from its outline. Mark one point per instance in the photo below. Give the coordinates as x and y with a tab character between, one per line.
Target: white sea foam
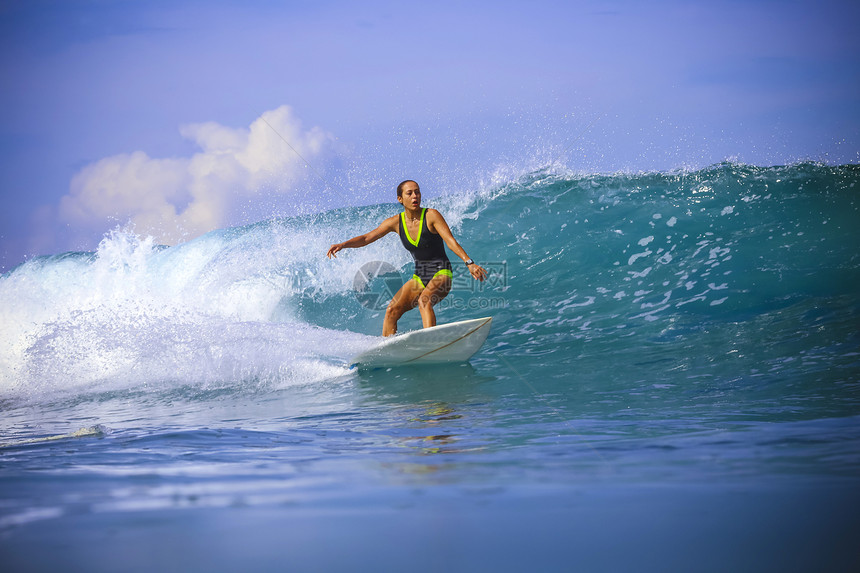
217	308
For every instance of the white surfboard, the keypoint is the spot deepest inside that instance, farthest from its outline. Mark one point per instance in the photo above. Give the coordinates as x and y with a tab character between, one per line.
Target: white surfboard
441	344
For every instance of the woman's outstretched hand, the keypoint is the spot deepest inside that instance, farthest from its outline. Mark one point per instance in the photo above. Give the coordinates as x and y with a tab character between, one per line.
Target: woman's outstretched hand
477	271
333	249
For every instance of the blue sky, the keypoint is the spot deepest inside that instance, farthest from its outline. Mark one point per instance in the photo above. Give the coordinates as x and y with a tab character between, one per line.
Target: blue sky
174	115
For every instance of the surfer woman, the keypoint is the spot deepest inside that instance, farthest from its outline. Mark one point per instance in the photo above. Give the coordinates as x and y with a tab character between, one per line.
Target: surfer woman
432	279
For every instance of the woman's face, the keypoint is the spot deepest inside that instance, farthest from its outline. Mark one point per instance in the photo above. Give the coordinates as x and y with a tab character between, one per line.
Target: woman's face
411	195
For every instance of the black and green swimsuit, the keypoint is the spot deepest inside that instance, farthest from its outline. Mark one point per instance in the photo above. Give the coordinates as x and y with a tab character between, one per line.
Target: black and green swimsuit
428	250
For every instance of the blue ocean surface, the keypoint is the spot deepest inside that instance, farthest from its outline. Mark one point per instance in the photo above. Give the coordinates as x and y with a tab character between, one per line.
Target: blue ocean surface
672	383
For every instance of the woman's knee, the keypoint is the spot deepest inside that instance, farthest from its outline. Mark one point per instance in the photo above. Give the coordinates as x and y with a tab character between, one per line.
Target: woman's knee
428	299
391	311
424	301
394	310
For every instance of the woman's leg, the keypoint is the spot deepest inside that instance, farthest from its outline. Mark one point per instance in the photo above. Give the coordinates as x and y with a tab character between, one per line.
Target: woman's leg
404	300
437	289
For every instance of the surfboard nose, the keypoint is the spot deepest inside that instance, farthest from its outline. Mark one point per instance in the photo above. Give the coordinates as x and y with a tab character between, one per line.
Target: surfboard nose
441	344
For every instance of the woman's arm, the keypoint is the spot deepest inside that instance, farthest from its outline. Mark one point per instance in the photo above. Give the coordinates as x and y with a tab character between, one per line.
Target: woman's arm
436	223
388	226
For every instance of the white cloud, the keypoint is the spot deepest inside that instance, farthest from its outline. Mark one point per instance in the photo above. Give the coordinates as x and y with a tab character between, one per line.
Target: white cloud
178	198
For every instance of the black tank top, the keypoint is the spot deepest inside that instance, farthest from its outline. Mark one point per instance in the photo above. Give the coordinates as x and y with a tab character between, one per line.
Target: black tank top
426	246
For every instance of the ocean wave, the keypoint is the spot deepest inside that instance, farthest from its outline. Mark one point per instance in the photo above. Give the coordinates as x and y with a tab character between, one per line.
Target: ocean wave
573	257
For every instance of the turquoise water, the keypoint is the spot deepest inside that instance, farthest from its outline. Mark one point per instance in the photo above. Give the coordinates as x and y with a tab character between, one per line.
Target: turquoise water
672	382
